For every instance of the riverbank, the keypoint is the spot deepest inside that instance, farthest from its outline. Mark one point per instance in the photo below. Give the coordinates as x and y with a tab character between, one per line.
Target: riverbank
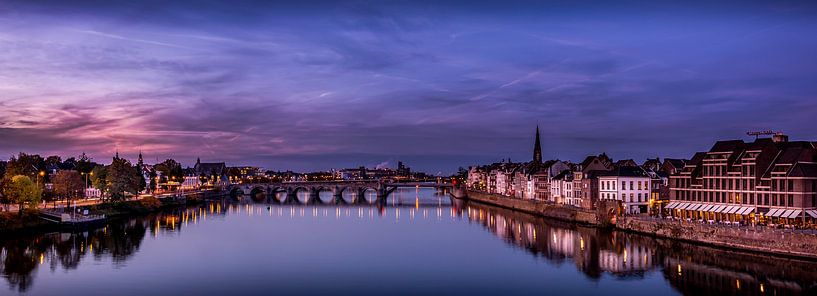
760	240
31	222
544	209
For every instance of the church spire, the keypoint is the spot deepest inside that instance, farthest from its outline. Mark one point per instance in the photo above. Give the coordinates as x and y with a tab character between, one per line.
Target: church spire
537	148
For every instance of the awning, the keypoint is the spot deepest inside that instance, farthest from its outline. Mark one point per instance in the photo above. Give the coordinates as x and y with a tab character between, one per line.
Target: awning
694	207
734	210
747	210
707	208
772	213
727	209
671	205
785	214
682	206
714	208
812	213
795	214
718	209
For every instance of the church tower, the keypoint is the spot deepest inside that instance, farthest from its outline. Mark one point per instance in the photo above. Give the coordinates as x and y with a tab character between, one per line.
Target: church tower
537	148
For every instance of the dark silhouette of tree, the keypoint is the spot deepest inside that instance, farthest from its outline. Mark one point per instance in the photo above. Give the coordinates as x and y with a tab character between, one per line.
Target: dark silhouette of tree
99	179
68	185
122	179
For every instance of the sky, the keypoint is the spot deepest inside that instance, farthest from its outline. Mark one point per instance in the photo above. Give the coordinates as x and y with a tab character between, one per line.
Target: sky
312	85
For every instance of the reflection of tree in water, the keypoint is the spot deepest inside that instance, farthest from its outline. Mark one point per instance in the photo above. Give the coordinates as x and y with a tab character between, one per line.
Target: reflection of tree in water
19	260
121	240
23	255
20	256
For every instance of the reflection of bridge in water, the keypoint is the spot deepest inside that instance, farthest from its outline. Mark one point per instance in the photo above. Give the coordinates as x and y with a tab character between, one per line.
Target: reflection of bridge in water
288	192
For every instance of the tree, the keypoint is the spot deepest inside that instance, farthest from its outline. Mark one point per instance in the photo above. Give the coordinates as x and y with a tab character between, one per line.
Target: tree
140	182
68	184
122	179
99	178
24	164
152	180
83	164
170	168
53	161
22	191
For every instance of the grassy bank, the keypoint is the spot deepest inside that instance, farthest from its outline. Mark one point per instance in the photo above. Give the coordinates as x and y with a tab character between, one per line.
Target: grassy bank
30	221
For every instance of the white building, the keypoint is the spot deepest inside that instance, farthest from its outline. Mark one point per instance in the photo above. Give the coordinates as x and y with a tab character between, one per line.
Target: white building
503	182
630	185
561	189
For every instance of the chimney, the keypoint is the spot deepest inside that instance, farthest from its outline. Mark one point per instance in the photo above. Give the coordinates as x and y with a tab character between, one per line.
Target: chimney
780	137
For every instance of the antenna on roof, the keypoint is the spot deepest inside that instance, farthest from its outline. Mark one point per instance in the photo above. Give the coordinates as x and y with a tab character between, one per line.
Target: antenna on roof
763	133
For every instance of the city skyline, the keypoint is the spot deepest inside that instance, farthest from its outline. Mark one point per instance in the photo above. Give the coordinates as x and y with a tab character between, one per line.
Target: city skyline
323	85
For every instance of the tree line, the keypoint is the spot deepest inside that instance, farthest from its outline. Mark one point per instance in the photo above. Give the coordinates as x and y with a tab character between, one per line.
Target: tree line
24	178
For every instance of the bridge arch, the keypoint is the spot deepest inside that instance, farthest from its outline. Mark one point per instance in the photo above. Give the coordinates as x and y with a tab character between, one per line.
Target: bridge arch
278	193
324	194
236	191
305	194
258	194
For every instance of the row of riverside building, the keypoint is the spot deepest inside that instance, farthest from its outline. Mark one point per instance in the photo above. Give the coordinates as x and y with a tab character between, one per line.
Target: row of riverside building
768	181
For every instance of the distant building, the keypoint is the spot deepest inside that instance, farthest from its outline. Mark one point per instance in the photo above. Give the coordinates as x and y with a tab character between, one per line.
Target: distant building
211	174
561	189
585	180
628	184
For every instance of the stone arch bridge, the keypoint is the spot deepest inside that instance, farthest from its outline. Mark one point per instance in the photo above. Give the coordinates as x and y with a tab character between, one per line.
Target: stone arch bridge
337	188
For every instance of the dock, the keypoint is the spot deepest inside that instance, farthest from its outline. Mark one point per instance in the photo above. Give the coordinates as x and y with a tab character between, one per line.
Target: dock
71	218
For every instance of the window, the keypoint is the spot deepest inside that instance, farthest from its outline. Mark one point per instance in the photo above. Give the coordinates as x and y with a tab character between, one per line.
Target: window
623	185
631	185
639	185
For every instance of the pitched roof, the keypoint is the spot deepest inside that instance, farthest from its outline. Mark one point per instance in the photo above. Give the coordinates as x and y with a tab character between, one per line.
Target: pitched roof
676	162
216	168
727	146
804	169
626	171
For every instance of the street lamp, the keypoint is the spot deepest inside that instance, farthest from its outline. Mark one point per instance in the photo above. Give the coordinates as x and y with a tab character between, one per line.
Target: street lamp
41	174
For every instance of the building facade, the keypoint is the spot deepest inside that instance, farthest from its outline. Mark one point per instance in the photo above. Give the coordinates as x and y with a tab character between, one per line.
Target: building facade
630	185
768	181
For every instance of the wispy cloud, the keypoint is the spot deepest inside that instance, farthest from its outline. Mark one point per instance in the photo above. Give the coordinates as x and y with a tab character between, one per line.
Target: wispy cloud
306	86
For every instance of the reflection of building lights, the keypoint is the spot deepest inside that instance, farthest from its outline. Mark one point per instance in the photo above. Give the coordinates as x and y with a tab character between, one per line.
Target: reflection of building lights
737	284
679	273
762	290
581	241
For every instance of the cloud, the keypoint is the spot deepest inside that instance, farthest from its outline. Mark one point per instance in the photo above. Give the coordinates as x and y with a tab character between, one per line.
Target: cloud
438	85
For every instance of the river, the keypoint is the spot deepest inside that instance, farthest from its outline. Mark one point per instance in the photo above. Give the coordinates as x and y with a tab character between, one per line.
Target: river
420	243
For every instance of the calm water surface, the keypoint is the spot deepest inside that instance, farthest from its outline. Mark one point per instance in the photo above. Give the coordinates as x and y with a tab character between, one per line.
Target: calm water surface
421	243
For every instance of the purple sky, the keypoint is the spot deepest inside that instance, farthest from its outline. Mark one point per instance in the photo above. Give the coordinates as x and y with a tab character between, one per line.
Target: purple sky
320	85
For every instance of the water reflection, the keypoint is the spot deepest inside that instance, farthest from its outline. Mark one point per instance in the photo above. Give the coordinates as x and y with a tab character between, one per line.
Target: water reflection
688	269
22	256
691	270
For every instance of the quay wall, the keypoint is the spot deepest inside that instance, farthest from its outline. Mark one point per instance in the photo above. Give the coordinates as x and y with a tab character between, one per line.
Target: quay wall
763	240
549	210
760	240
